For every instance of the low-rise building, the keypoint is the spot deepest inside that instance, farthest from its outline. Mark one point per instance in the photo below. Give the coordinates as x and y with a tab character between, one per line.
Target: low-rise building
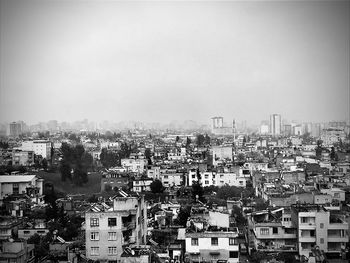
17	252
21	184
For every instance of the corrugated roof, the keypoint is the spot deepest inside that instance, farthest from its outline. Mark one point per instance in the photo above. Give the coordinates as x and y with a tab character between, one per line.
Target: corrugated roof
16	178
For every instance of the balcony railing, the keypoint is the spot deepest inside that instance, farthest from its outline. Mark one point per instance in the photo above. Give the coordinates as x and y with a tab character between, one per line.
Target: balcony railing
129	225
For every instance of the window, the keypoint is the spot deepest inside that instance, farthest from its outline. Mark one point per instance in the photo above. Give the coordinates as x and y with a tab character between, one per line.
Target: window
15	188
193	176
94	222
165	177
232	241
264	231
112	235
233	254
321	240
304	220
206	182
206	176
321	225
112	221
95	251
274	230
336	195
94	236
26	232
214	241
112	250
194	241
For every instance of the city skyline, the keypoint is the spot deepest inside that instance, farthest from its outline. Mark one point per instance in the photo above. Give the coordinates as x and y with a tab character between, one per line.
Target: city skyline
122	61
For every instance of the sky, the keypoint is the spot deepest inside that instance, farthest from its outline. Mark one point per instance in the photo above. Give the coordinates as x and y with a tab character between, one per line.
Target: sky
160	61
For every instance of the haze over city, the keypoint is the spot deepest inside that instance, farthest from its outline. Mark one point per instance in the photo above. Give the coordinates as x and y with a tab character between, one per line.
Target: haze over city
161	61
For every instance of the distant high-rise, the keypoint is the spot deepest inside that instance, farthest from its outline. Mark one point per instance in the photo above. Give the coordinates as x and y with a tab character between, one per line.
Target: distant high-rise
275	124
15	129
219	128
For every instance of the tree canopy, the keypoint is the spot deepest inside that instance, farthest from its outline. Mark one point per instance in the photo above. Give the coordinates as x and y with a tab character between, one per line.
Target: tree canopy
75	163
157	187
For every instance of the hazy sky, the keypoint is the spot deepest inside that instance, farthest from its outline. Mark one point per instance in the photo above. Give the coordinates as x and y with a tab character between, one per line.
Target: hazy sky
161	61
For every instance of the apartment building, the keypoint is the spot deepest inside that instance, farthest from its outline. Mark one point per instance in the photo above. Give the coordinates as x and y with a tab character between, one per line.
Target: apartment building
171	178
17	252
142	185
319	228
216	179
221	153
134	165
24	158
212	246
111	229
39	147
21	184
272	231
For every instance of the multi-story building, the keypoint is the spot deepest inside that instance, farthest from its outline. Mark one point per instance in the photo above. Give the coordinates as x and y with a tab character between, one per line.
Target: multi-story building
39	147
272	231
134	165
222	153
171	178
17	252
109	230
142	185
275	124
30	229
15	129
319	228
21	184
25	158
212	246
216	179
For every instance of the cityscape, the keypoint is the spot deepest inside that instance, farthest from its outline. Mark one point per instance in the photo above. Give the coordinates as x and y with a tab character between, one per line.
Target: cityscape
174	132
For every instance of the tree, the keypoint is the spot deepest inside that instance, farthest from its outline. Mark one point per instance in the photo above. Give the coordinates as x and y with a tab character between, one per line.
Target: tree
157	187
148	155
183	215
109	158
240	159
239	218
333	155
319	149
207	139
197	189
177	139
4	145
44	164
200	139
260	204
76	159
227	191
188	142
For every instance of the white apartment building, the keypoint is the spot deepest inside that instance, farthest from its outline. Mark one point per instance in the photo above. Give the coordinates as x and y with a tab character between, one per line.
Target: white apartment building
221	153
320	228
39	147
171	179
109	230
212	246
269	235
22	184
153	172
134	165
216	179
142	185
